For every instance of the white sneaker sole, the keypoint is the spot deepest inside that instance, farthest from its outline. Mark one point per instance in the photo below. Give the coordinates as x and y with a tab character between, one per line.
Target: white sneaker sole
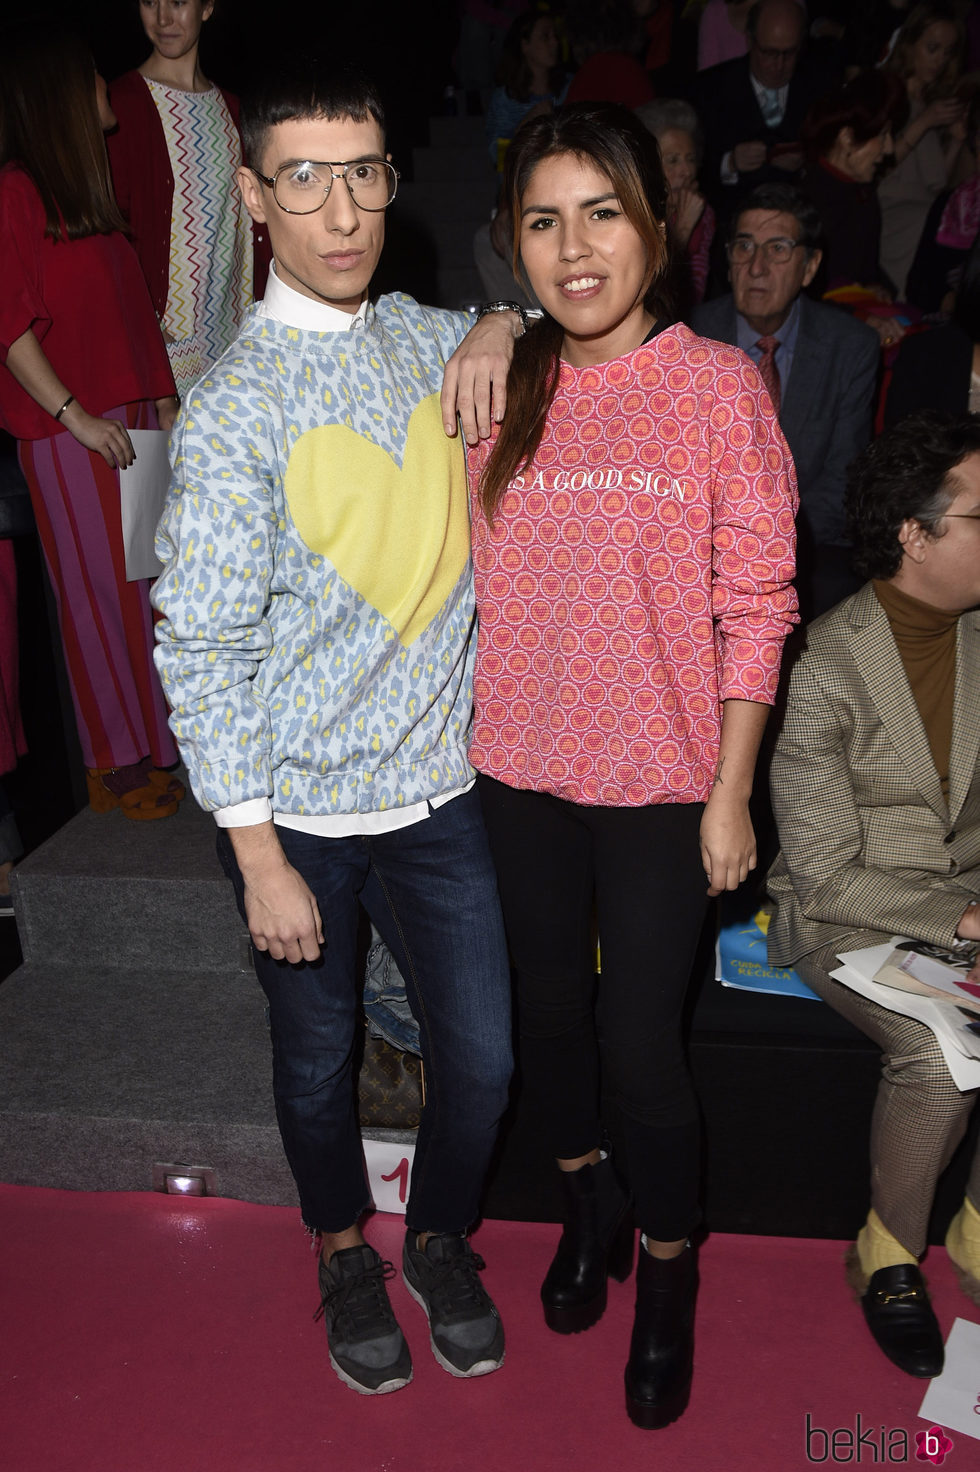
482	1367
385	1388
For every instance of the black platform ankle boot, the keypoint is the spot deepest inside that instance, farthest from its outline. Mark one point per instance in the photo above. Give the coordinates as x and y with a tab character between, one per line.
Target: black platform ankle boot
658	1375
597	1239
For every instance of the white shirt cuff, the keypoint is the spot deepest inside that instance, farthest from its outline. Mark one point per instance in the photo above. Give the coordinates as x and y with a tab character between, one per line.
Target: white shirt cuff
244	814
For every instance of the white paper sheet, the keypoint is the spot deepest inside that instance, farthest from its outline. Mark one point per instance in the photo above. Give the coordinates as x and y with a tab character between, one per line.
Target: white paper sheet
953	1398
946	1019
143	490
949	1025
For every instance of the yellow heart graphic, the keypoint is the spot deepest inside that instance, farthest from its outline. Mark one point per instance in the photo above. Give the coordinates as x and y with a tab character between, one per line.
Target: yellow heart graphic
399	536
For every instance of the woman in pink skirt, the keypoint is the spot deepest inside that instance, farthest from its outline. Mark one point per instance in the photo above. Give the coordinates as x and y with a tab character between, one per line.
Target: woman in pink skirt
84	362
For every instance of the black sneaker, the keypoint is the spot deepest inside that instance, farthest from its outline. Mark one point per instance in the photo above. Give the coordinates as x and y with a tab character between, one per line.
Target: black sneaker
367	1348
465	1330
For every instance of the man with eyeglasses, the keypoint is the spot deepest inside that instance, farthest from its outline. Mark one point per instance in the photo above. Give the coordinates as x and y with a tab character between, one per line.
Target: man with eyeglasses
753	107
316	646
819	364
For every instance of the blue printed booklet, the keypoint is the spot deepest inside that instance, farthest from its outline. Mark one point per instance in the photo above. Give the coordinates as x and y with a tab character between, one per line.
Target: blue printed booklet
741	960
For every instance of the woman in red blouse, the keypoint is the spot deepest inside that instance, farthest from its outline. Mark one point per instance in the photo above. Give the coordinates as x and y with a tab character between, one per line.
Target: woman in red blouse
633	550
84	362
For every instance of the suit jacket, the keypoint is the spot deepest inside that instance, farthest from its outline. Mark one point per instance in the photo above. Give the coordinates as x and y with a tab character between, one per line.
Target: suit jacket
826	406
868	841
729	110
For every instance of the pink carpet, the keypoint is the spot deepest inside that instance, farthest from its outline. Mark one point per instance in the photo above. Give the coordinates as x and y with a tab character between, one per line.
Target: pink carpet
142	1332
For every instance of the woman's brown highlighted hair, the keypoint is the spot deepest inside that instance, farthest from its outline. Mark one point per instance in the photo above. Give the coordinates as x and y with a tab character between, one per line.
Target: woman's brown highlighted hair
615	141
49	125
916	23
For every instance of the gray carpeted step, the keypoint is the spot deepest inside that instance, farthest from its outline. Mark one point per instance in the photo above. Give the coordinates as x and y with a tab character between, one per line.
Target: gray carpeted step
105	1072
107	891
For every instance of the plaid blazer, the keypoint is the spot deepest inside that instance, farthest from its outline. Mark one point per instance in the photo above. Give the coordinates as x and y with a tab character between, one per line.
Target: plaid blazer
868	841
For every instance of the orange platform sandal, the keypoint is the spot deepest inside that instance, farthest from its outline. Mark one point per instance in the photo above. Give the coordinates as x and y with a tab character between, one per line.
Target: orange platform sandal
141	792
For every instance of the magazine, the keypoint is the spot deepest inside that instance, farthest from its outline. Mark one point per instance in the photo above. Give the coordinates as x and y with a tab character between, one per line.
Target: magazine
915	969
957	1029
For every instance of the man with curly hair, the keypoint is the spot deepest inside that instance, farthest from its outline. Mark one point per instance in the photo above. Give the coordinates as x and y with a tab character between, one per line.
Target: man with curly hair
876	793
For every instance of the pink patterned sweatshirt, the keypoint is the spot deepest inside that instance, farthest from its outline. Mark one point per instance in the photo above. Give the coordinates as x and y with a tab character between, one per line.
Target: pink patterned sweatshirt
636	575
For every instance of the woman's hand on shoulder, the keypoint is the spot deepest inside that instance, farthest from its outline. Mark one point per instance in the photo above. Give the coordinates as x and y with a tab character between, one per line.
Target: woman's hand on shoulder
728	848
106	437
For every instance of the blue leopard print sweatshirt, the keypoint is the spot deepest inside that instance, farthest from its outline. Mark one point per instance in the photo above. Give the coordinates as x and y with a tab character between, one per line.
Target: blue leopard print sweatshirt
318	634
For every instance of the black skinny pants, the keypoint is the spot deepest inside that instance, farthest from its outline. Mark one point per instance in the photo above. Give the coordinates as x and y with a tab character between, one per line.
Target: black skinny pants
643	868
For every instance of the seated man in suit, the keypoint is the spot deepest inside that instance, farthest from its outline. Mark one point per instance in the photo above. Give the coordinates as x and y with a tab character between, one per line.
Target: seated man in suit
819	364
876	791
753	106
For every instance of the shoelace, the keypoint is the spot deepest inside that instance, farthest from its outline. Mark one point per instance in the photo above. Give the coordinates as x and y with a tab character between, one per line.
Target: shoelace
456	1284
362	1299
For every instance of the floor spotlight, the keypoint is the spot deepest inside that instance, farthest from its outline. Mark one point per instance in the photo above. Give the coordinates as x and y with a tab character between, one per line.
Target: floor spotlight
178	1179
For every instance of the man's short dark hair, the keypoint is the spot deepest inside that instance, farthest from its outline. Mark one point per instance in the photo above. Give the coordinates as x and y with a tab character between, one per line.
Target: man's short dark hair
782	199
302	92
901	476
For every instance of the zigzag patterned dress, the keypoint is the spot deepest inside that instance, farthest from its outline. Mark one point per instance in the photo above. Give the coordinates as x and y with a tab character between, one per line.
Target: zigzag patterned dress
210	286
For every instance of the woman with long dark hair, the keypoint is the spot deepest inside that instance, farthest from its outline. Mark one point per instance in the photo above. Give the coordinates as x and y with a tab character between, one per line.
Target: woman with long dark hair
633	554
530	79
84	364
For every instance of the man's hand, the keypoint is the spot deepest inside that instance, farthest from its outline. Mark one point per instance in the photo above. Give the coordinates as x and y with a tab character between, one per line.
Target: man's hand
747	157
475	385
281	910
728	850
969	926
790	163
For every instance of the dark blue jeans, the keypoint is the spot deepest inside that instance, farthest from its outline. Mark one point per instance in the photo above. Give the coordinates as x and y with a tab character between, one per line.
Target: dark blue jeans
431	891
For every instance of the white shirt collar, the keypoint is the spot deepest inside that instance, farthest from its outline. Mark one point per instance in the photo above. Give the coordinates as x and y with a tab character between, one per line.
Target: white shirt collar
290	307
781	93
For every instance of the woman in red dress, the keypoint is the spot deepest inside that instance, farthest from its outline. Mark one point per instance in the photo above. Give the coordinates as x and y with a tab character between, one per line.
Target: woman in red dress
84	362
